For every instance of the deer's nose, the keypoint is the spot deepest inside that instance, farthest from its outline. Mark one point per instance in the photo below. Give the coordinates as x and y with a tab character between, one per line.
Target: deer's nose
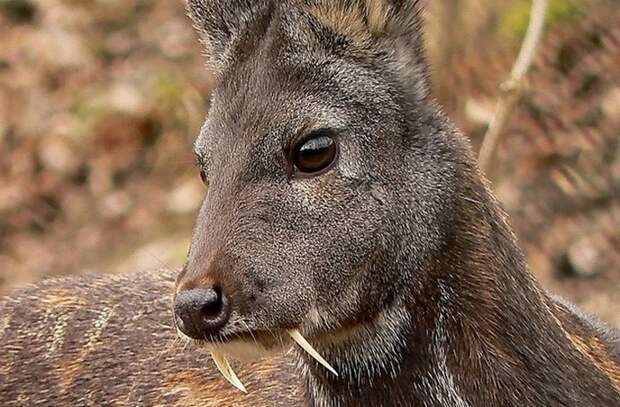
201	312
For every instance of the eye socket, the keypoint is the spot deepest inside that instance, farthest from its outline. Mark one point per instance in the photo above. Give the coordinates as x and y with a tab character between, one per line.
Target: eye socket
315	154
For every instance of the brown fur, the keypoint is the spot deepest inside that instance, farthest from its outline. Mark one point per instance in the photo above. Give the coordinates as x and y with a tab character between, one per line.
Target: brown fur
591	346
599	356
359	20
118	347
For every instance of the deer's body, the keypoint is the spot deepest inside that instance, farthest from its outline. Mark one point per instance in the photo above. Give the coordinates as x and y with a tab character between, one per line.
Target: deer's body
109	341
342	204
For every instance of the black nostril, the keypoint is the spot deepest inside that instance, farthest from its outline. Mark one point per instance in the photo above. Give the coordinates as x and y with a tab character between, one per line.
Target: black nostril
201	311
211	309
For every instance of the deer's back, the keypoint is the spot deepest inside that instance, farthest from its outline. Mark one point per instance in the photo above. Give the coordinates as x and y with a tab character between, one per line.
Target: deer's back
110	341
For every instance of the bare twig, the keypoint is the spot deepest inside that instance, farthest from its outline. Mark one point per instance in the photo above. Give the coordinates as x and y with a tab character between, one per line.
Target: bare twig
512	88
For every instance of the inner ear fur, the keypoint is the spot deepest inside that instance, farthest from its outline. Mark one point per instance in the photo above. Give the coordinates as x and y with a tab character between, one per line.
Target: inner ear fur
363	20
394	25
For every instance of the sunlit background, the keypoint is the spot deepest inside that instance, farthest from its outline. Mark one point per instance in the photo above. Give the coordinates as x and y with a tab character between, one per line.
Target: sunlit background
100	101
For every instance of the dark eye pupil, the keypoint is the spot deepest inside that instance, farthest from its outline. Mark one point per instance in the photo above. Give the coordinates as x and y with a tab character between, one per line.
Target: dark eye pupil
315	154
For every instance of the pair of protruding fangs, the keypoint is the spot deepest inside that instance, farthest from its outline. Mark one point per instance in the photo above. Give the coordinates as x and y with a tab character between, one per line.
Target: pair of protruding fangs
224	367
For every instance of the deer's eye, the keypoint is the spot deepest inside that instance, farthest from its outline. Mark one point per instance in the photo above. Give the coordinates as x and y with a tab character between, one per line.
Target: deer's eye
315	153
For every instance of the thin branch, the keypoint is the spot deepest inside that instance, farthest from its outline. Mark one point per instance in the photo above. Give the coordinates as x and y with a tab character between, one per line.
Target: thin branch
512	88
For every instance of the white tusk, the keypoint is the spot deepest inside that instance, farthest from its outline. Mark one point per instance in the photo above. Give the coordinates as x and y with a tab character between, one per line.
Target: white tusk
226	370
301	341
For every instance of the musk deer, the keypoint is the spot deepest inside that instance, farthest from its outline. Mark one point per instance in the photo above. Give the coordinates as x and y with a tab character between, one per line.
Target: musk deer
344	211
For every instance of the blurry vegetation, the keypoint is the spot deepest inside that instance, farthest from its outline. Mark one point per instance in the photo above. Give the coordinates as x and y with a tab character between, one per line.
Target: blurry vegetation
100	101
559	161
513	22
99	104
18	11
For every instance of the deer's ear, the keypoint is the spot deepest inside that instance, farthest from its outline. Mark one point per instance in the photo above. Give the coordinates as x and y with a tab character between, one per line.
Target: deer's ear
395	25
362	20
221	24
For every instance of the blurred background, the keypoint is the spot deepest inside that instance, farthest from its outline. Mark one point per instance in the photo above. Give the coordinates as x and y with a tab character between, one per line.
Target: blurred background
100	101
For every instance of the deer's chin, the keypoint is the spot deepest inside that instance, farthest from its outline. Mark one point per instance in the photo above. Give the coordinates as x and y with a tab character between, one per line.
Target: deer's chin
242	347
243	350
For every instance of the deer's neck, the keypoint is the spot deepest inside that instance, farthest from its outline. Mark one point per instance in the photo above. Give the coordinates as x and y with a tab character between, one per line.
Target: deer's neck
410	353
473	329
391	364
